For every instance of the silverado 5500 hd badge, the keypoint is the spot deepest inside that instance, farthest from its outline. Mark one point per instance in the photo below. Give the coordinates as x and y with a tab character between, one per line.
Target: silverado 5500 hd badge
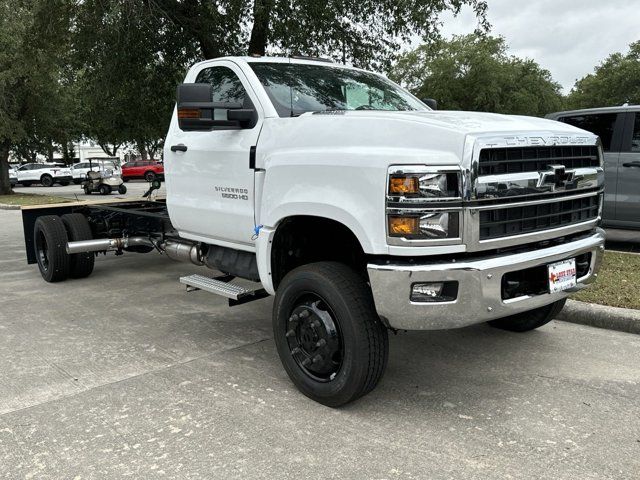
233	193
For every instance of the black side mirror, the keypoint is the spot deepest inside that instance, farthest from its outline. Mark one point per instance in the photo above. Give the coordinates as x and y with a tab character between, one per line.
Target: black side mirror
196	111
431	103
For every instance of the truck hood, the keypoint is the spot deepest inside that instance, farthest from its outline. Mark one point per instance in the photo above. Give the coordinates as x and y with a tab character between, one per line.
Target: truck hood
473	122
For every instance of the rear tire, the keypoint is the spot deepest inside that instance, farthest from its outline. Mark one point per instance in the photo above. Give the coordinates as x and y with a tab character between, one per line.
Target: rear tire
80	264
104	189
46	180
337	352
149	176
526	321
87	191
49	240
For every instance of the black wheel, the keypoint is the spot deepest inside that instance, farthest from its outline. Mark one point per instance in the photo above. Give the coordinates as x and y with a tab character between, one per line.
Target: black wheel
122	189
327	332
64	184
149	176
46	180
104	189
87	190
80	264
523	322
49	240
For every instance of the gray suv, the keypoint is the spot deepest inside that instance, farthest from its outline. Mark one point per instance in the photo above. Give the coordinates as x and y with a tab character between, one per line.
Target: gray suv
619	130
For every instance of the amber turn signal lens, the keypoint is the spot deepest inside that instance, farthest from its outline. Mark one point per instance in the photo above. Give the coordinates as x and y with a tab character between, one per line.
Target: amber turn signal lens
401	226
403	185
188	113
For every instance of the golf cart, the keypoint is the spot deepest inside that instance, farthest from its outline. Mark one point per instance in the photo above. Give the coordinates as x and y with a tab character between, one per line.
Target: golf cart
103	180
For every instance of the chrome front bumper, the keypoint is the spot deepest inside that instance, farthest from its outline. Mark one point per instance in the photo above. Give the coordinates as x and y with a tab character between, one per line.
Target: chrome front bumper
479	286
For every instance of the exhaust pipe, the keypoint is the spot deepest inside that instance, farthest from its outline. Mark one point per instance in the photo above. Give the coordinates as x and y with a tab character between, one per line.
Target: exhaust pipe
180	251
106	244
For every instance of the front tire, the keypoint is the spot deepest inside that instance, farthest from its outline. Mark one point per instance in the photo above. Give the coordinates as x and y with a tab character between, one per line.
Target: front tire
526	321
104	189
49	240
329	337
77	226
122	189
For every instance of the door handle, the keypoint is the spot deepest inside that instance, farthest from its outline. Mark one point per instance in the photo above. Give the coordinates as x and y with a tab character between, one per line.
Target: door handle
179	148
631	164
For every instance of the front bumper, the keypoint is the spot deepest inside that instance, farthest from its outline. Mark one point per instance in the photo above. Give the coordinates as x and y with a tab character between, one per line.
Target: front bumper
479	286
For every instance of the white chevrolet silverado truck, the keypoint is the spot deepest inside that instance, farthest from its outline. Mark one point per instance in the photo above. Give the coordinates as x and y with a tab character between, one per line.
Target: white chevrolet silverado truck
360	208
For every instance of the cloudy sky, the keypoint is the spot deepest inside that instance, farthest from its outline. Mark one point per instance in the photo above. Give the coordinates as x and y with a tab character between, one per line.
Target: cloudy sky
567	37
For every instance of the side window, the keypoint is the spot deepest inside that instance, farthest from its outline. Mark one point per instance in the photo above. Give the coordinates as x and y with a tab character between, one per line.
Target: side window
601	124
227	87
635	136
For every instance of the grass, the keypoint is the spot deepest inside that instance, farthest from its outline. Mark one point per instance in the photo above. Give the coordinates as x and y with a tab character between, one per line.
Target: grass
30	199
618	283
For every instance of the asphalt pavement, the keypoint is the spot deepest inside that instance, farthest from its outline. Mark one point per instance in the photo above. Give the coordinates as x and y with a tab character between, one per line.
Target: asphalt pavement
124	374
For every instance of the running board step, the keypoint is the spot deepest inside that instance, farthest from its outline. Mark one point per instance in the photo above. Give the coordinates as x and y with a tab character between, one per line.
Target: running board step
222	286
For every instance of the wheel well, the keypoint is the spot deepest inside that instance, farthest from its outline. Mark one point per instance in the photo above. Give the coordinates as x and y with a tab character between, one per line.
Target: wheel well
306	239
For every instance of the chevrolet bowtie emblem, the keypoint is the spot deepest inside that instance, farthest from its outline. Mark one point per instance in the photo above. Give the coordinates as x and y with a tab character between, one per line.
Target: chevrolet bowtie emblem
556	175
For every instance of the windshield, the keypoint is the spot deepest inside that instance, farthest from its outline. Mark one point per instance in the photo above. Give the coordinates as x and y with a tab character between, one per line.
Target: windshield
298	88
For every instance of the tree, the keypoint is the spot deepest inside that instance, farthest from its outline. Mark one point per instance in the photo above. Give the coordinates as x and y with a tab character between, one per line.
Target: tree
614	82
33	40
474	72
128	63
364	32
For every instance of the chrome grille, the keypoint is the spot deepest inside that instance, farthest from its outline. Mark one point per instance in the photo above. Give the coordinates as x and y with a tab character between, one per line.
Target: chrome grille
498	161
508	221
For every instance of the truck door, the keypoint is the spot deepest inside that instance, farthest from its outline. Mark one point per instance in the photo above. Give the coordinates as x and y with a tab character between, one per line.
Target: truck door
628	188
210	186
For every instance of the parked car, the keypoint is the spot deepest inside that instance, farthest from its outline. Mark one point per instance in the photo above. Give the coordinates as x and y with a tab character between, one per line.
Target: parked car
619	131
149	170
79	170
45	174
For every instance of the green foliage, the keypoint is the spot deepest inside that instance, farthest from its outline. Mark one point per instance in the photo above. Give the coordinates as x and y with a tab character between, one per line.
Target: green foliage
614	82
33	108
128	62
474	72
364	32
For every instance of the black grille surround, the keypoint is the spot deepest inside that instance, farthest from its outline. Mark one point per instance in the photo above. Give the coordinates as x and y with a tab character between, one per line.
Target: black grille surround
499	161
518	220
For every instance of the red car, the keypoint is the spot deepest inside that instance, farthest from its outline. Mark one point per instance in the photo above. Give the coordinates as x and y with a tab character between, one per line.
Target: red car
146	169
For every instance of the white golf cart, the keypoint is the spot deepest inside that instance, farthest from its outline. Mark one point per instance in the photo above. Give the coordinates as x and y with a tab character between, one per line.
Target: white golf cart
102	180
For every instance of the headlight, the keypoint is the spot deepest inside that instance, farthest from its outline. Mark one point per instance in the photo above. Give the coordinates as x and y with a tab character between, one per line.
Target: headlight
427	225
424	185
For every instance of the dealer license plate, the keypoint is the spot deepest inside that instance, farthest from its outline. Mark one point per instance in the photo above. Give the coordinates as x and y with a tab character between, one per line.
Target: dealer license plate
562	275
